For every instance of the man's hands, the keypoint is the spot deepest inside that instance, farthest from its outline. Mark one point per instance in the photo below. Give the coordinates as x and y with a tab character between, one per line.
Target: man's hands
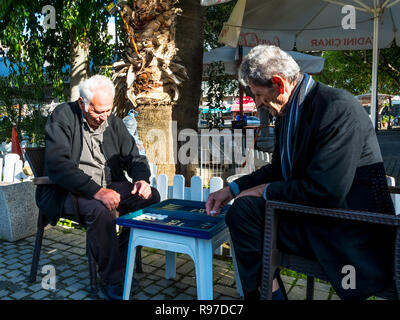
109	198
142	188
217	200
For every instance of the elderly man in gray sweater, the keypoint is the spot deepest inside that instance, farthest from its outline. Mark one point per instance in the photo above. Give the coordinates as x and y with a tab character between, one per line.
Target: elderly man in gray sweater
87	151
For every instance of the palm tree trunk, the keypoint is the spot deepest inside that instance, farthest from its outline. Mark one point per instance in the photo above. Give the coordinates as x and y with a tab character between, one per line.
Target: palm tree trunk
150	78
155	129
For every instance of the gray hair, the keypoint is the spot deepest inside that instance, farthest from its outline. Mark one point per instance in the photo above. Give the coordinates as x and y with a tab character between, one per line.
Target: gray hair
264	61
86	88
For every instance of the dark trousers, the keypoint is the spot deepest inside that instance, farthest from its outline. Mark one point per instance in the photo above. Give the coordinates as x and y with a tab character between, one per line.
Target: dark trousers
334	243
109	250
245	220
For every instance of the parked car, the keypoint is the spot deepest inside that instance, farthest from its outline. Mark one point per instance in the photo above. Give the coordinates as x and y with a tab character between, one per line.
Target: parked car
252	121
202	124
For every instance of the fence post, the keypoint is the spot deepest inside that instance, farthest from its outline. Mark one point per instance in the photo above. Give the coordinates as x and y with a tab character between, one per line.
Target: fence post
9	166
153	174
196	188
162	186
216	183
178	191
18	171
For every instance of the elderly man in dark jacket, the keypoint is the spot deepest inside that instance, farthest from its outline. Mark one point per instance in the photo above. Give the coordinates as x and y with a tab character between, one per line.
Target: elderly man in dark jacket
87	151
326	155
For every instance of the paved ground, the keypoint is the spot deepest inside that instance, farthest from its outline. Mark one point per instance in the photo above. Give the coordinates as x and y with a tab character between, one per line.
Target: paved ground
65	250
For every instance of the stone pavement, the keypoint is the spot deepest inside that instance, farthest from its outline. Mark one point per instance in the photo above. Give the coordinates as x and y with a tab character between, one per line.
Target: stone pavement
64	249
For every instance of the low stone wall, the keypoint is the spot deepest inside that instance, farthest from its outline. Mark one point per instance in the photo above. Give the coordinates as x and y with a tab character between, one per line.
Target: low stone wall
18	210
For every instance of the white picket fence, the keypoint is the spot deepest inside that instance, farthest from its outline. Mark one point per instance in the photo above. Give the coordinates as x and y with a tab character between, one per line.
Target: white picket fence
11	171
11	168
261	155
196	191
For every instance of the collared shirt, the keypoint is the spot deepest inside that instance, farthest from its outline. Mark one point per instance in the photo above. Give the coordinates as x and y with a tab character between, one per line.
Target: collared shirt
93	161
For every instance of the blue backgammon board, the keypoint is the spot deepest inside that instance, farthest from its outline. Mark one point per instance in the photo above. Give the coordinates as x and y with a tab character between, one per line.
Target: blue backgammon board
184	217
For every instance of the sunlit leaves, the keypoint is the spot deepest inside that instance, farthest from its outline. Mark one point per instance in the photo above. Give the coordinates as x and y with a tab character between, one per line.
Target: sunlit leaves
352	70
41	57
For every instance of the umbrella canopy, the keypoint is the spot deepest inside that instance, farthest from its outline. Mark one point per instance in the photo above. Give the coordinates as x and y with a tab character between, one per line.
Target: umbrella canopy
230	56
314	25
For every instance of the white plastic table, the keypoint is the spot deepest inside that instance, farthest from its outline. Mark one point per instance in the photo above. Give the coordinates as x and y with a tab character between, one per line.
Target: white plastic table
200	250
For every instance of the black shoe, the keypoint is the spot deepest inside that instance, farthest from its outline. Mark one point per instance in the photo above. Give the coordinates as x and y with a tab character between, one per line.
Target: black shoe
112	291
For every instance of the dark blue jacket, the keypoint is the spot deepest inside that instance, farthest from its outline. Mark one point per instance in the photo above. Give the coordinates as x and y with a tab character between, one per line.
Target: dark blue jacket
337	164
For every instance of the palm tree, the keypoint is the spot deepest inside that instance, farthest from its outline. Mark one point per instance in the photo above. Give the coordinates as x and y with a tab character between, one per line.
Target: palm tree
149	77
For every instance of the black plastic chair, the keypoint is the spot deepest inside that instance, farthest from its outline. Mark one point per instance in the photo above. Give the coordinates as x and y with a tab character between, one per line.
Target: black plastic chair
35	158
273	258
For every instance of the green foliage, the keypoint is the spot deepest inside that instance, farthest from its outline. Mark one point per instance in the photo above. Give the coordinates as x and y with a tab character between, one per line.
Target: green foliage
352	70
32	48
218	86
39	57
215	18
5	129
31	124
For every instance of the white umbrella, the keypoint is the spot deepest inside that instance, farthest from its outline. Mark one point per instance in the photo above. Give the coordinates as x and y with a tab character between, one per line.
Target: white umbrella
230	56
313	25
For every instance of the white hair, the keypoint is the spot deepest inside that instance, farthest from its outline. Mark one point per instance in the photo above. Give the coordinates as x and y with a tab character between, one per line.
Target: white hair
87	88
263	62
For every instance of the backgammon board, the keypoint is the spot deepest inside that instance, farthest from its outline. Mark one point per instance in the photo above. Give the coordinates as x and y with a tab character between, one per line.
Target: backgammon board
184	217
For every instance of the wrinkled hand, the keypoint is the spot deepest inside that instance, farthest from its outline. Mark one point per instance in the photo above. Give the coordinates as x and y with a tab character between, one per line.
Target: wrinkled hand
217	200
109	198
142	188
257	191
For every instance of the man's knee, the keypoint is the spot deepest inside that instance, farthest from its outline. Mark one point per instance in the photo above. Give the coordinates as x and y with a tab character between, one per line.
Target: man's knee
100	214
236	212
244	210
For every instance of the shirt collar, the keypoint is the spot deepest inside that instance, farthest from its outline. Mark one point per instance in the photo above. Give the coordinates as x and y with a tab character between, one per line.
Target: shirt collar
100	129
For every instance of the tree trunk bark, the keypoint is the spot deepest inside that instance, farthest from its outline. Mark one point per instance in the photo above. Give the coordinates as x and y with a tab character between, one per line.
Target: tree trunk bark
156	131
189	41
79	64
